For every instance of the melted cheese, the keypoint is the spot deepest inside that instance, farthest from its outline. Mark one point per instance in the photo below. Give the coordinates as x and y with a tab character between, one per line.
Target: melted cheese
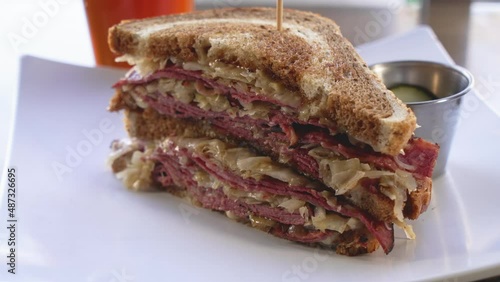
322	220
343	176
257	82
239	78
242	161
188	91
316	40
136	175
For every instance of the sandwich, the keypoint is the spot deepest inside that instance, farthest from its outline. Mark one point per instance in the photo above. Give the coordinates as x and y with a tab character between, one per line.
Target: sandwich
286	131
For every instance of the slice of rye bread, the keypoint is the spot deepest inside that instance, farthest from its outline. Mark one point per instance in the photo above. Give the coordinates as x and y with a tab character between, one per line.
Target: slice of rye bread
149	125
310	57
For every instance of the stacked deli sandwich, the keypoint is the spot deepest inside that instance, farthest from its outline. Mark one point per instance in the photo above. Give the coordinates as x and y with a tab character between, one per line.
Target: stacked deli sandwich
287	131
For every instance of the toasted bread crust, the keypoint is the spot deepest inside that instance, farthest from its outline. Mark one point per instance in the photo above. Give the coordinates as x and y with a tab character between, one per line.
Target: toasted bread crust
310	57
148	124
139	125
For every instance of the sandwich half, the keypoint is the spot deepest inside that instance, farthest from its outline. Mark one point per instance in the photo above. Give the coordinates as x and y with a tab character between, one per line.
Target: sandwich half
288	131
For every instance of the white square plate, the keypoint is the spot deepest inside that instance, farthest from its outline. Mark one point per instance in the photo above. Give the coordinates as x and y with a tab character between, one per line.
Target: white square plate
77	223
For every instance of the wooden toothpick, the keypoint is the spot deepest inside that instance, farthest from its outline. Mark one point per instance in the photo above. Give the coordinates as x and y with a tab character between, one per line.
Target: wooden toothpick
279	14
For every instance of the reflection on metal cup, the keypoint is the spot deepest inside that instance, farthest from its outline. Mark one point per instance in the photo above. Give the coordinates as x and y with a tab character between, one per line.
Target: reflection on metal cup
438	117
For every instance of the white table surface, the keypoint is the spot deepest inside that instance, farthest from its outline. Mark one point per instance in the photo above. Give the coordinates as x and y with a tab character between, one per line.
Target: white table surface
63	38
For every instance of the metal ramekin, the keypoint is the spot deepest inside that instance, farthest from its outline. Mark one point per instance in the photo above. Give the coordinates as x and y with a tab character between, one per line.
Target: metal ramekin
437	118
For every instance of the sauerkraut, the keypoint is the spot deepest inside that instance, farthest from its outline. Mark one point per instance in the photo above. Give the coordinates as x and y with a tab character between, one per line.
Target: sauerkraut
137	167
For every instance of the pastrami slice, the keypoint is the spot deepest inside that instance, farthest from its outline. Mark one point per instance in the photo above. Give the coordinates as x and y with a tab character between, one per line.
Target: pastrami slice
253	188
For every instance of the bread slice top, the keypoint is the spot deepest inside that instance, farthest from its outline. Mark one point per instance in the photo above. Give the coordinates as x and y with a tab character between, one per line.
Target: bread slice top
309	57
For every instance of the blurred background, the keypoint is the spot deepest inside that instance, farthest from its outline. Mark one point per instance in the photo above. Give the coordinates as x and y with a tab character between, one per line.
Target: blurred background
468	30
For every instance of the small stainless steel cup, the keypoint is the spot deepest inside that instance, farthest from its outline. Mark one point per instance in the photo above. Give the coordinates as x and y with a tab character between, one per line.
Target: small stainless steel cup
437	118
